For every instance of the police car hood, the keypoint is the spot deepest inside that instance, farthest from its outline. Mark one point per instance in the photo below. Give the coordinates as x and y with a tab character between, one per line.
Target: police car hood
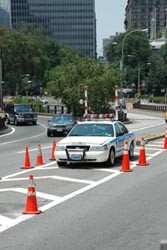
85	140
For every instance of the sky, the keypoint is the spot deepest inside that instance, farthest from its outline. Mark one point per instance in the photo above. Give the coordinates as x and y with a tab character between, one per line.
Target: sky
110	15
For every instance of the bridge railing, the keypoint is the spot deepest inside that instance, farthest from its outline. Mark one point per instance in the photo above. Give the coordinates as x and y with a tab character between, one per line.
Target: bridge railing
150	106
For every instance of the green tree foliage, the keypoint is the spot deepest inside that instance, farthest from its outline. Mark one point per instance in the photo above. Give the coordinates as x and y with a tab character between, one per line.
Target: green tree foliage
29	58
67	83
22	54
136	51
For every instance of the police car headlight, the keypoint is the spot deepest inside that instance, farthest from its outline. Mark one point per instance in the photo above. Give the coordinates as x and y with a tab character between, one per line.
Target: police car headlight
20	116
98	148
60	148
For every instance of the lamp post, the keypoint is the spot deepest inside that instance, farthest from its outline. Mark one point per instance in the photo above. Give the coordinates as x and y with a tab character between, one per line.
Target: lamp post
18	81
122	51
139	67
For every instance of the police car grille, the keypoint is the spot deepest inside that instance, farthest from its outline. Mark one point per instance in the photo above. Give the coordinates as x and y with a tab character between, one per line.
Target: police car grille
86	148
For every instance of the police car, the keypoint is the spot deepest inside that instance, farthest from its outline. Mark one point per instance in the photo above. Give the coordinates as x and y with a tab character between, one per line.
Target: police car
95	142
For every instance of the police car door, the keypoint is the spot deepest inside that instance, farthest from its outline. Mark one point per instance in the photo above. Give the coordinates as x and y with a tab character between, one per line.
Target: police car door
125	134
119	140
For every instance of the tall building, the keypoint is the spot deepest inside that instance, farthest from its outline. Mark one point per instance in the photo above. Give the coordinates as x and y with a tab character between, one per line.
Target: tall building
70	22
151	14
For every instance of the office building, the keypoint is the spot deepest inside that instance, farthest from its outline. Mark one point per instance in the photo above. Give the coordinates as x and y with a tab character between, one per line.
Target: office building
70	22
150	14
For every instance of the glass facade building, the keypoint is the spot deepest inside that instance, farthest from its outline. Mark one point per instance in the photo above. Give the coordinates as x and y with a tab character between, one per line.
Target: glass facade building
150	14
5	13
70	22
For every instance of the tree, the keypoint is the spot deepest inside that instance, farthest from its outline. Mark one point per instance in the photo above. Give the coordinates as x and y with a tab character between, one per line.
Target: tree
67	82
135	50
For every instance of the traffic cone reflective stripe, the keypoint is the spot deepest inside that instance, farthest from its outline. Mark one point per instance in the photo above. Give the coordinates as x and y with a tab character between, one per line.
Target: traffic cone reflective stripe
142	156
53	158
125	161
31	202
39	160
27	160
165	140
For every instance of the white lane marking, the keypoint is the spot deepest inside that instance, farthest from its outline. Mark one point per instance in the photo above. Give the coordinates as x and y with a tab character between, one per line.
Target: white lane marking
79	191
72	179
25	138
5	221
107	170
25	171
152	126
66	197
39	194
49	177
12	131
153	148
34	149
56	201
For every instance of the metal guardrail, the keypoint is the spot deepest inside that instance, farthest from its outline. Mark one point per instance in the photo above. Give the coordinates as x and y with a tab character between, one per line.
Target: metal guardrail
150	107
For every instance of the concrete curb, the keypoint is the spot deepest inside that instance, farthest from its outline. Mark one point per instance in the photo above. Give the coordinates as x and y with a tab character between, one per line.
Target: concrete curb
149	138
6	130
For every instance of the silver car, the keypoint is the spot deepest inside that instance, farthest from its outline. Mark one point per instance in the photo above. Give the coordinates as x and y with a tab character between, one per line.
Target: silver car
60	124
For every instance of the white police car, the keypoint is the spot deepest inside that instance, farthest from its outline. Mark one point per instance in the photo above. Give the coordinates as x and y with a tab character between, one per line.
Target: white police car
94	142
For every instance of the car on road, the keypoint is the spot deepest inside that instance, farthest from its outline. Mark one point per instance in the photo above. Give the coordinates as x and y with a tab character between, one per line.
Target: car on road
19	113
60	124
95	142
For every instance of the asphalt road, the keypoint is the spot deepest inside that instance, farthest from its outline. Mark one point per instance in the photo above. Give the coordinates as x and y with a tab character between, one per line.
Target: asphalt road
83	208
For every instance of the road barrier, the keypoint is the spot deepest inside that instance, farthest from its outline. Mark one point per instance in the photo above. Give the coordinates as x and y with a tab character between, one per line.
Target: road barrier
150	107
53	158
31	202
39	160
27	163
125	161
142	155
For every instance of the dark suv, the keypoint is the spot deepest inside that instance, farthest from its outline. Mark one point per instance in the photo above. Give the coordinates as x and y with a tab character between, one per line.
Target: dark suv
19	113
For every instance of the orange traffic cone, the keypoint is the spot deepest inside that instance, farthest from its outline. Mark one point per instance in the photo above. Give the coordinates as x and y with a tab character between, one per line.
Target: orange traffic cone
27	160
125	162
165	140
39	160
52	158
31	202
142	155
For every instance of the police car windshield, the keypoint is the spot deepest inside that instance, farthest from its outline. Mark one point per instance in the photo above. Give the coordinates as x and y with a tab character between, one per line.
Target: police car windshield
92	130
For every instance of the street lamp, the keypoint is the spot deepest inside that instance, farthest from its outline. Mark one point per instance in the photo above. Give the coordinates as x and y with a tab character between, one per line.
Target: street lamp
18	81
122	50
139	67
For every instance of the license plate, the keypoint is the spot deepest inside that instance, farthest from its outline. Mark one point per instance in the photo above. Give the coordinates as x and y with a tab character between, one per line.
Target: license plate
59	129
76	157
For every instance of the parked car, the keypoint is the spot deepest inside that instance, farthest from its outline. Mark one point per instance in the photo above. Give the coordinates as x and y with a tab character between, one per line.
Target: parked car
95	142
19	113
60	124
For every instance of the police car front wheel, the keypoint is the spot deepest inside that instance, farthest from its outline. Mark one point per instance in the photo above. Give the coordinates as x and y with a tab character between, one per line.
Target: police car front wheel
111	158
